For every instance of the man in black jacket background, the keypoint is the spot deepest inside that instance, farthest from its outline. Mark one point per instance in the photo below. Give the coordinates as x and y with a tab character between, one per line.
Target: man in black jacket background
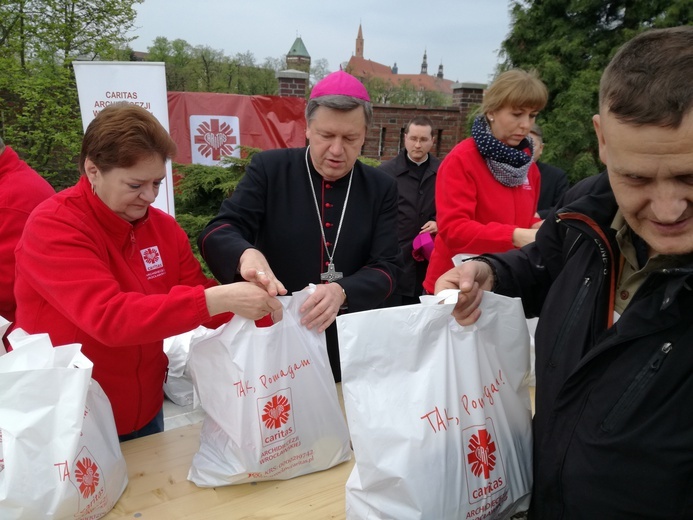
414	169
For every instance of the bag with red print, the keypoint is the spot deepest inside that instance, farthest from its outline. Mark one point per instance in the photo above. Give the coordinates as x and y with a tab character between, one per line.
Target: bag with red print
446	433
59	450
271	402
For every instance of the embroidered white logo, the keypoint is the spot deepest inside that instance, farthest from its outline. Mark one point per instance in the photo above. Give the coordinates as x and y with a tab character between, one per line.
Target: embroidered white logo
152	258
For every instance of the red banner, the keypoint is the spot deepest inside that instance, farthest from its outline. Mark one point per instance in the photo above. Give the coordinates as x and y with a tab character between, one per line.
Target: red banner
207	127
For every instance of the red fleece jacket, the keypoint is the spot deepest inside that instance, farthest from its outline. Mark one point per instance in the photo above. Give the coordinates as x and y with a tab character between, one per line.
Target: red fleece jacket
85	275
21	190
475	213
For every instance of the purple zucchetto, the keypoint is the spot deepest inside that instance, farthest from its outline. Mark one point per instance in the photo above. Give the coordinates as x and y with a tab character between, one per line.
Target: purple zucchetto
340	83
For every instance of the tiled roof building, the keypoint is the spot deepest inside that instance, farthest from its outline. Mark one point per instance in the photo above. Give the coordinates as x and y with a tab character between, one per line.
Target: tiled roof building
367	69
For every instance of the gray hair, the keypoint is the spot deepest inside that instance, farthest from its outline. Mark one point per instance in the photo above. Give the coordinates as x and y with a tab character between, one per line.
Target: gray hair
342	103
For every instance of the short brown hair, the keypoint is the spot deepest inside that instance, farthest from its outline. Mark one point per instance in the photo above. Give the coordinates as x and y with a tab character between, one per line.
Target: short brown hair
649	80
419	121
515	88
123	134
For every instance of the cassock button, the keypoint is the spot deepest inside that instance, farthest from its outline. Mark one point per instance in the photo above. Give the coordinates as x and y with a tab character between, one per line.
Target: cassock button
625	295
328	205
328	224
327	263
328	185
328	244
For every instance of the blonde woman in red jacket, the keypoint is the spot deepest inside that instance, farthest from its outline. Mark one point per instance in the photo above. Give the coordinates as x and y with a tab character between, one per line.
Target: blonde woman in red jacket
488	187
97	265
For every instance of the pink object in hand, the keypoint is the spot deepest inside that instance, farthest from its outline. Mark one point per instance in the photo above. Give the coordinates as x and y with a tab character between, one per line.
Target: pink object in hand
422	247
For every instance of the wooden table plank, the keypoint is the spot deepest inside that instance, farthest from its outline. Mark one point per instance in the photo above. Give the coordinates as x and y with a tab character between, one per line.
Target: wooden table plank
158	489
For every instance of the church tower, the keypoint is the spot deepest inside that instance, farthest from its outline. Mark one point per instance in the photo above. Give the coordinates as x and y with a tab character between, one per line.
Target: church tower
440	71
424	64
359	44
298	58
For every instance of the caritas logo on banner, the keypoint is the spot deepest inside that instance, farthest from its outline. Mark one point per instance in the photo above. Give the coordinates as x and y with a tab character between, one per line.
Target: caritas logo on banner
214	137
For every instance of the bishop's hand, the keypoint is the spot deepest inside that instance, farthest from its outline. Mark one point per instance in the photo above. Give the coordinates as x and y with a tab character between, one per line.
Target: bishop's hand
253	267
321	307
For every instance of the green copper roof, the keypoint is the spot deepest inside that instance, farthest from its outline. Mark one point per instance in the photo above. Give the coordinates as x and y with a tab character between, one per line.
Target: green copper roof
298	49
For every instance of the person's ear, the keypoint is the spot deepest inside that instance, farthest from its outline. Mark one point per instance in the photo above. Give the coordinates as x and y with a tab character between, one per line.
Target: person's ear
603	154
91	170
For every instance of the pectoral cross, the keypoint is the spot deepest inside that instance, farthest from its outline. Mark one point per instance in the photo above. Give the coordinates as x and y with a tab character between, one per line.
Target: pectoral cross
331	275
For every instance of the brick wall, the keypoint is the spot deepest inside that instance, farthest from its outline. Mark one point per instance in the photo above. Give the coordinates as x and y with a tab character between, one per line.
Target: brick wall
467	96
384	137
292	83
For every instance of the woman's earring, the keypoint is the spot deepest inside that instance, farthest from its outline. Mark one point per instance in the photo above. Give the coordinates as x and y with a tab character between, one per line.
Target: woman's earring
490	119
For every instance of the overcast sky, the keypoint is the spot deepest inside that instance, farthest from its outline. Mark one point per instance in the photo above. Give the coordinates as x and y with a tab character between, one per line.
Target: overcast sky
463	35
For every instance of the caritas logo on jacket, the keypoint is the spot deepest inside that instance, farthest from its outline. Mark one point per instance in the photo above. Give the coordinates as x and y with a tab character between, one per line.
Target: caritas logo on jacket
153	263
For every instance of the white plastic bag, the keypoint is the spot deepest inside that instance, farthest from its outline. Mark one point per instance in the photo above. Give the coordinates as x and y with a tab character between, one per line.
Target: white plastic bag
59	443
271	402
439	414
178	385
4	325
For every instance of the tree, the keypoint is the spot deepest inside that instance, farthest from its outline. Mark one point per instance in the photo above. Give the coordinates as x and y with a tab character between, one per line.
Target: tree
203	69
318	70
570	43
404	93
39	111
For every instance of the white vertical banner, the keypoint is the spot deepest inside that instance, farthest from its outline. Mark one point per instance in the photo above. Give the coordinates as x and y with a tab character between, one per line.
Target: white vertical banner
101	83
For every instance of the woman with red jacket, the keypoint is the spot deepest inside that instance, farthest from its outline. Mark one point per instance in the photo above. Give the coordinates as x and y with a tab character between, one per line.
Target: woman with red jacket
488	187
97	265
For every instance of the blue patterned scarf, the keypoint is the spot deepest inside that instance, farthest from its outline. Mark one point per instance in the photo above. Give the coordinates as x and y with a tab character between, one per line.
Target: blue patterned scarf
509	165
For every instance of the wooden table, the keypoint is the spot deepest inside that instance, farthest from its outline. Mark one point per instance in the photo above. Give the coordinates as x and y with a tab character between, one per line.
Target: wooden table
159	490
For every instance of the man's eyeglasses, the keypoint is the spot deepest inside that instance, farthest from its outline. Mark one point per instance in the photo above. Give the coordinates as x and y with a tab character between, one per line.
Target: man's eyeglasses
422	140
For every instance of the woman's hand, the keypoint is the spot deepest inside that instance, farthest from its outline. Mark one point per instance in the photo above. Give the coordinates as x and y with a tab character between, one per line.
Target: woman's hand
243	298
523	236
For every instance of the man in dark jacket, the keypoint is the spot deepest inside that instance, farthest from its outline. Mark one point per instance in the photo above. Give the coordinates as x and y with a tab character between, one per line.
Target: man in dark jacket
611	277
414	169
554	181
314	215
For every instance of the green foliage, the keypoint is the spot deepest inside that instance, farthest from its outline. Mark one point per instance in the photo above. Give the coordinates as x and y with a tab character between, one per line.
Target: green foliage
370	162
39	110
404	93
570	43
203	69
193	226
200	190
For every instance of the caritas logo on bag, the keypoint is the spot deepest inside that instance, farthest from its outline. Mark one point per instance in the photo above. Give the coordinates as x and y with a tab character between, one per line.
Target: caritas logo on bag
484	464
276	417
87	477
